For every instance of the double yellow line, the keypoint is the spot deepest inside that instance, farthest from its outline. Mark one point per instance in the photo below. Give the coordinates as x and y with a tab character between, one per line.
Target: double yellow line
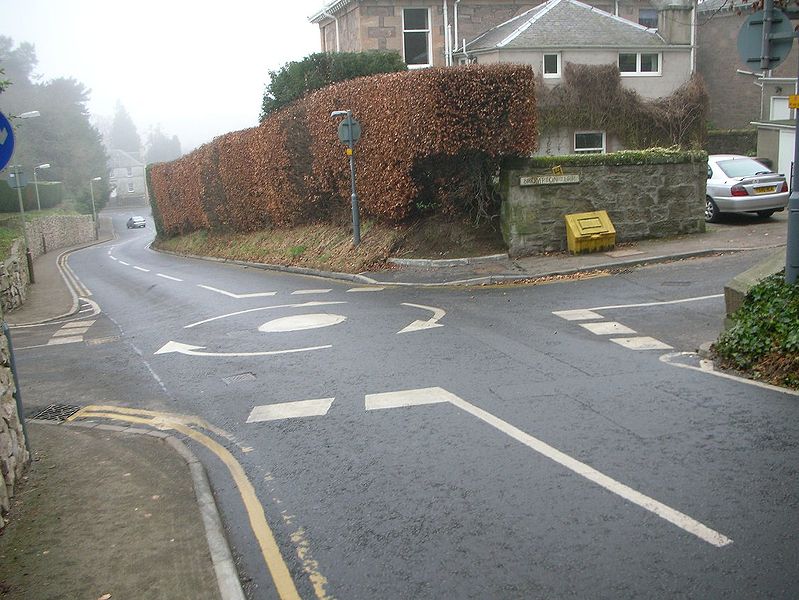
281	577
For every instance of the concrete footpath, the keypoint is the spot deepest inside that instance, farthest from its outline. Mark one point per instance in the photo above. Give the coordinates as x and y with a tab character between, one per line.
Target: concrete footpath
107	512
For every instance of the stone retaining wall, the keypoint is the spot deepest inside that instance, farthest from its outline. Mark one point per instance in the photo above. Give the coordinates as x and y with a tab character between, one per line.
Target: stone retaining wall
59	231
14	278
14	457
656	199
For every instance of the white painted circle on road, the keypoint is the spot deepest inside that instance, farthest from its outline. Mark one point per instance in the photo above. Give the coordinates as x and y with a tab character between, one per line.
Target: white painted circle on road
300	322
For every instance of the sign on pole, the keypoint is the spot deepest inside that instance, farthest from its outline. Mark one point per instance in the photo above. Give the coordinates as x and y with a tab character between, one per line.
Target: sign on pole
6	141
765	39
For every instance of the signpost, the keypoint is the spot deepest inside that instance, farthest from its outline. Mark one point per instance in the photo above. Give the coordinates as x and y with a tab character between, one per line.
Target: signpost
766	38
6	141
349	131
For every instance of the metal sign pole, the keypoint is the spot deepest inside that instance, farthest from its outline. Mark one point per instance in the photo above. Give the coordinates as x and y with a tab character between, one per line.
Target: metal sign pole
28	255
792	244
356	217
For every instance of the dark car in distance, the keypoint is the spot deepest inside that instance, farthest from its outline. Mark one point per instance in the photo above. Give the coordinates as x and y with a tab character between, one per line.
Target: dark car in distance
136	222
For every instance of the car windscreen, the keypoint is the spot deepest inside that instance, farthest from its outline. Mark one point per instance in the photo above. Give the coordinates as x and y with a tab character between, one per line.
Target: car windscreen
742	167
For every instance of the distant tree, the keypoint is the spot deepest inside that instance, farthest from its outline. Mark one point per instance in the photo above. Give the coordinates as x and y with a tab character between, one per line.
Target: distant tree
123	132
62	135
295	79
4	83
162	148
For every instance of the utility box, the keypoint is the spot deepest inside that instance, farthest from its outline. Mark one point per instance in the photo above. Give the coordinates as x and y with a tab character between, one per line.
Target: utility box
590	232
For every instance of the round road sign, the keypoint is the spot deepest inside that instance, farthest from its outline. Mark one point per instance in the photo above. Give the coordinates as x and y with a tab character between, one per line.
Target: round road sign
6	141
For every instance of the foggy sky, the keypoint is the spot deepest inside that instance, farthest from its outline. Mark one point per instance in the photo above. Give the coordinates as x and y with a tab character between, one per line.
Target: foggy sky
197	71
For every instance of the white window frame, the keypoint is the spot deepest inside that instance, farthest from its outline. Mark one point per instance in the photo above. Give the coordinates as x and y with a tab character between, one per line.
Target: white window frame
657	17
597	150
131	187
428	31
638	72
556	74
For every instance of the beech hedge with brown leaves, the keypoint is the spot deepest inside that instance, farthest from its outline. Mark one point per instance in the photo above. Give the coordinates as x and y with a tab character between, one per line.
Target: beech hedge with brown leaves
417	127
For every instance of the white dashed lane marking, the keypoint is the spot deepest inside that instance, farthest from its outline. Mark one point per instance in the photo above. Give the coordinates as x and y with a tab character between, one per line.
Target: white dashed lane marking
168	277
577	315
641	343
299	292
142	269
290	410
607	328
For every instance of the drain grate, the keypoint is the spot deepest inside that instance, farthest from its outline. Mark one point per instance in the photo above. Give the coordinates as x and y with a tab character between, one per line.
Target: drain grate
56	412
240	378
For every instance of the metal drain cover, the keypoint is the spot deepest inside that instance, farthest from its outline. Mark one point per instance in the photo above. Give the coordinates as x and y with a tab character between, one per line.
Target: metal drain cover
56	412
240	378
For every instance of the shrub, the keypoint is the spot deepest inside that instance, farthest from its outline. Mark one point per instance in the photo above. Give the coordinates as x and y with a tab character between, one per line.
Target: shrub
420	128
295	79
764	336
50	194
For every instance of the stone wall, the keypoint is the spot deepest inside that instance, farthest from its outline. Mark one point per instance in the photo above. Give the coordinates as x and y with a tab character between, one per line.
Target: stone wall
14	278
642	200
14	457
59	231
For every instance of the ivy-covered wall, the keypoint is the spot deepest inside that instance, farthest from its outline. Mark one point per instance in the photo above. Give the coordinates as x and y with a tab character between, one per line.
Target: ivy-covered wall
655	193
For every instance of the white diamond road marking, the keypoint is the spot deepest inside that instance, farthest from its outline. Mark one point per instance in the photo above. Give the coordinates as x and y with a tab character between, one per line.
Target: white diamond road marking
366	289
65	340
641	343
577	315
290	410
608	328
440	395
299	292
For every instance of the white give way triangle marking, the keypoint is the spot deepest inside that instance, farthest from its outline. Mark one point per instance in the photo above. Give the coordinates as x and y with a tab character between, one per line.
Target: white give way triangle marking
180	348
438	314
436	395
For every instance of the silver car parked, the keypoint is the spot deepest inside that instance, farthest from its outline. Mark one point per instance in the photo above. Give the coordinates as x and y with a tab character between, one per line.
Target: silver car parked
741	184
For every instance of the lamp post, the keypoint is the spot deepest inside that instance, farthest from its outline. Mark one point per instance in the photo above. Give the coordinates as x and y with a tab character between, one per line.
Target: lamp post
94	210
17	170
36	183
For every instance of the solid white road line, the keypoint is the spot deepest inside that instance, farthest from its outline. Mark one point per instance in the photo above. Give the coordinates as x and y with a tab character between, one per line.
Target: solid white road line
168	277
249	310
434	395
290	410
641	343
645	304
577	315
142	269
366	289
671	515
236	296
299	292
607	328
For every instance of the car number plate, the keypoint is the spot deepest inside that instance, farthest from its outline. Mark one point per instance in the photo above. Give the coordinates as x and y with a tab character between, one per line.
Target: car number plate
769	189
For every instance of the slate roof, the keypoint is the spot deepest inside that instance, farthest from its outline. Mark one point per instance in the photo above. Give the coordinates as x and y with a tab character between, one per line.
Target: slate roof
567	24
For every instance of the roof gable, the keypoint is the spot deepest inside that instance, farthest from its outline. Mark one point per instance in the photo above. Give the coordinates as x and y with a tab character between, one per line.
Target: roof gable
567	24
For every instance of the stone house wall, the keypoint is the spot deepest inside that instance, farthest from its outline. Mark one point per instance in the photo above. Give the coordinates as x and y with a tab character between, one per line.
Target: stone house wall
643	201
14	457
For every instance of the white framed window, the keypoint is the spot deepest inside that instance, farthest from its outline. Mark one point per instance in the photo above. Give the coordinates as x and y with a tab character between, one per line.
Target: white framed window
589	142
551	66
130	187
129	171
648	17
416	40
640	63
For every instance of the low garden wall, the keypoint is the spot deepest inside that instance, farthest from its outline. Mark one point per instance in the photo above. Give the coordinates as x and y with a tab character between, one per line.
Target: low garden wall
646	194
14	457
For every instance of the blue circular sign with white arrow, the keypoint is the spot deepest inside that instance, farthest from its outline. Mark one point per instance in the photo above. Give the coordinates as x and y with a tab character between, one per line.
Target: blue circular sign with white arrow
6	141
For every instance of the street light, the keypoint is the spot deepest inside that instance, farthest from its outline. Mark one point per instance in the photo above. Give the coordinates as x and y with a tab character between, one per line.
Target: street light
94	210
26	115
36	183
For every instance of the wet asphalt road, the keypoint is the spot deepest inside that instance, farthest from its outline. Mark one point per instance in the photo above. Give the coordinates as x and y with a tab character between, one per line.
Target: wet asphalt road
431	500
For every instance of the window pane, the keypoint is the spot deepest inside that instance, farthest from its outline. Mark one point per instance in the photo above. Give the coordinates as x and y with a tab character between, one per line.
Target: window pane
590	140
550	64
416	49
627	63
415	18
649	63
648	17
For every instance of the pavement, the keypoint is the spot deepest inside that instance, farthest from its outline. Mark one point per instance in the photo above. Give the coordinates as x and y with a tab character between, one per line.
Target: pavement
111	512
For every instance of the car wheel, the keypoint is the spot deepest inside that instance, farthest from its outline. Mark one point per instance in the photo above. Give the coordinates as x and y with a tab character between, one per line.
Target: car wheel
711	210
765	213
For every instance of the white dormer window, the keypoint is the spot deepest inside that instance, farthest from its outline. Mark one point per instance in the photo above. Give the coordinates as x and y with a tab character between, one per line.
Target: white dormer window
648	17
551	66
640	63
416	37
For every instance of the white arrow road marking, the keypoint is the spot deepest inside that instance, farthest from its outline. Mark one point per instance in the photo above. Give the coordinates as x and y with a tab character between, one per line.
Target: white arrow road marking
189	350
301	322
438	314
667	513
236	296
3	135
290	410
249	310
